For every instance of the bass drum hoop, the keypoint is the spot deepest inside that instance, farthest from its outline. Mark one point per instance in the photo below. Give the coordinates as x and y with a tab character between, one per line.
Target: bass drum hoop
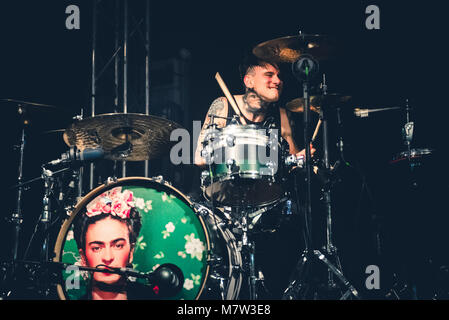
214	221
60	241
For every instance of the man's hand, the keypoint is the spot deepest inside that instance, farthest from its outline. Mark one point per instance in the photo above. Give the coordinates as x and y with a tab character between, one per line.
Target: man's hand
302	153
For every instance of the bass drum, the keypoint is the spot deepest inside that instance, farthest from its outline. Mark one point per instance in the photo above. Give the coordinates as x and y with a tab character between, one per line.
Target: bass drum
173	230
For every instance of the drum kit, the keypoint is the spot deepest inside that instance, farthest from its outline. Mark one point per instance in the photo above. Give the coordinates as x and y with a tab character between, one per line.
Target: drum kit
211	241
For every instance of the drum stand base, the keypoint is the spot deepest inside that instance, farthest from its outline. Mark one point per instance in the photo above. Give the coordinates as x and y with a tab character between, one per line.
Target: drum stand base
299	287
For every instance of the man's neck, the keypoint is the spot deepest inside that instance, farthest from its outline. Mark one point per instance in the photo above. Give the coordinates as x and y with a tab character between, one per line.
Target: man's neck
253	107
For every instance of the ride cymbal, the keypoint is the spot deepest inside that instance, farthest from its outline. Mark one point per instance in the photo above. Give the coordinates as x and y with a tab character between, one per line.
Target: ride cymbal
317	102
123	136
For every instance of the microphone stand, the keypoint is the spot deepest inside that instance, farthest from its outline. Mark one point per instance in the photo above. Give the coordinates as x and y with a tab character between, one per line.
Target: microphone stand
303	69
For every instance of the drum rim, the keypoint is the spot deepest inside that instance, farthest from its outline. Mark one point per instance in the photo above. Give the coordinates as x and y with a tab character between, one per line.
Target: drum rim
62	235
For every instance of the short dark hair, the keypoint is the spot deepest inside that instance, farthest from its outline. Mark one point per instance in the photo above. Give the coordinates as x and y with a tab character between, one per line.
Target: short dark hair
250	61
82	223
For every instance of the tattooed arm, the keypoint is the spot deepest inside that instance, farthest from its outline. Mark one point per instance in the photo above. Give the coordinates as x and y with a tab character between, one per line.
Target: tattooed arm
218	108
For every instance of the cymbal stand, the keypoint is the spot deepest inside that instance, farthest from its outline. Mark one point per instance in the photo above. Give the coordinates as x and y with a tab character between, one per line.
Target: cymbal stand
16	218
47	176
331	250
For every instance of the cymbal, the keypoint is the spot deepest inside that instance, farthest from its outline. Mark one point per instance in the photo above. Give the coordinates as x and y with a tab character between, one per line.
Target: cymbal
26	103
123	136
317	102
290	48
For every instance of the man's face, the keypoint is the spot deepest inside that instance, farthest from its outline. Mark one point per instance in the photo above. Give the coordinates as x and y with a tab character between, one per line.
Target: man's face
265	81
107	243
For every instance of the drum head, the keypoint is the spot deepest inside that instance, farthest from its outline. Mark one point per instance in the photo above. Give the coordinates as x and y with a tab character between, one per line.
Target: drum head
171	232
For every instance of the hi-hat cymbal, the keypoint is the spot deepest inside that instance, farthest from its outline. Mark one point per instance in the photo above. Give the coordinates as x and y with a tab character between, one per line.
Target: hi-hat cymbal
317	102
290	48
123	136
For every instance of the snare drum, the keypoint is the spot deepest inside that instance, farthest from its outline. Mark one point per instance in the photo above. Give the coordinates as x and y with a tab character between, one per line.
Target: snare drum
243	166
173	230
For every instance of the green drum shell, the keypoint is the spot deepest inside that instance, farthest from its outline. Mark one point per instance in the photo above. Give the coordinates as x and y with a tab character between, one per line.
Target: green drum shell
240	171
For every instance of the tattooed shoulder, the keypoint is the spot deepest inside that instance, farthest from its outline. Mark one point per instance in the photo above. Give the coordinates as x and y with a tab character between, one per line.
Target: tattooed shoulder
217	106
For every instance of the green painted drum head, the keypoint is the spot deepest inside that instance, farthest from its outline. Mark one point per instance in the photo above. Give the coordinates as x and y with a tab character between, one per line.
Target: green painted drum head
171	232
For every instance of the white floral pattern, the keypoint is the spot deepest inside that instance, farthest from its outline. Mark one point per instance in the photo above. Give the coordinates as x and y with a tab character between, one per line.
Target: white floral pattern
140	244
142	204
188	284
169	228
194	247
148	205
195	279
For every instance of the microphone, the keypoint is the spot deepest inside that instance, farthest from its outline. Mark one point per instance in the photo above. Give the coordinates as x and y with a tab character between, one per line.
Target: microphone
168	278
305	67
166	281
363	113
76	155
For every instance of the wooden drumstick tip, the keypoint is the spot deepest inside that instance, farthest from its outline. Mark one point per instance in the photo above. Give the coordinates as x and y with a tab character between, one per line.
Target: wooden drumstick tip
229	97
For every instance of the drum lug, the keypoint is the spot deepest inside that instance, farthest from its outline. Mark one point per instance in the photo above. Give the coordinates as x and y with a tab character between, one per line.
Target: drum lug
232	168
161	180
110	180
205	177
230	141
207	154
201	210
214	260
271	166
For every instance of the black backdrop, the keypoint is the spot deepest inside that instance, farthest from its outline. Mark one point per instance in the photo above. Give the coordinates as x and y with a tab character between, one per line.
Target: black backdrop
406	58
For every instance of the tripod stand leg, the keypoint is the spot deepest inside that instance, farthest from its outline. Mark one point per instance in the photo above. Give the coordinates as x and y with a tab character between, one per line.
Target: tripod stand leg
296	280
252	274
337	272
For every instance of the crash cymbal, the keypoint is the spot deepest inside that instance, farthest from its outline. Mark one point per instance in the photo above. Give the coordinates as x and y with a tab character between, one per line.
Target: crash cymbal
290	48
317	102
123	136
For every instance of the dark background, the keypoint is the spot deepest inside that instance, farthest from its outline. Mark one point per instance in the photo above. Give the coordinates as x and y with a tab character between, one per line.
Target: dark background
41	61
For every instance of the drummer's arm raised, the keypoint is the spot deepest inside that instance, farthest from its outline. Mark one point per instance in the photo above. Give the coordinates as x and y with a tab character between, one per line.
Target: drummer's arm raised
218	108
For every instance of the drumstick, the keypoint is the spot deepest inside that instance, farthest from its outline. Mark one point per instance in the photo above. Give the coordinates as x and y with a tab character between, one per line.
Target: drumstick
230	97
316	131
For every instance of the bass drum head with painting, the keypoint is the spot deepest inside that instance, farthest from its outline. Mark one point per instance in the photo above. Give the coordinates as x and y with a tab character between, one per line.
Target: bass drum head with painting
171	232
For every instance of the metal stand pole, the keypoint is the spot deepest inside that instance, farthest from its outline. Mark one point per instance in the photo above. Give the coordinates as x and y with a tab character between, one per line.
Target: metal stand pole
93	80
16	218
125	69
147	71
46	213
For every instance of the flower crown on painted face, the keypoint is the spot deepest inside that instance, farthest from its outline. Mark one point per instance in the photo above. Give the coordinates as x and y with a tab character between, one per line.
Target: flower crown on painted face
114	202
